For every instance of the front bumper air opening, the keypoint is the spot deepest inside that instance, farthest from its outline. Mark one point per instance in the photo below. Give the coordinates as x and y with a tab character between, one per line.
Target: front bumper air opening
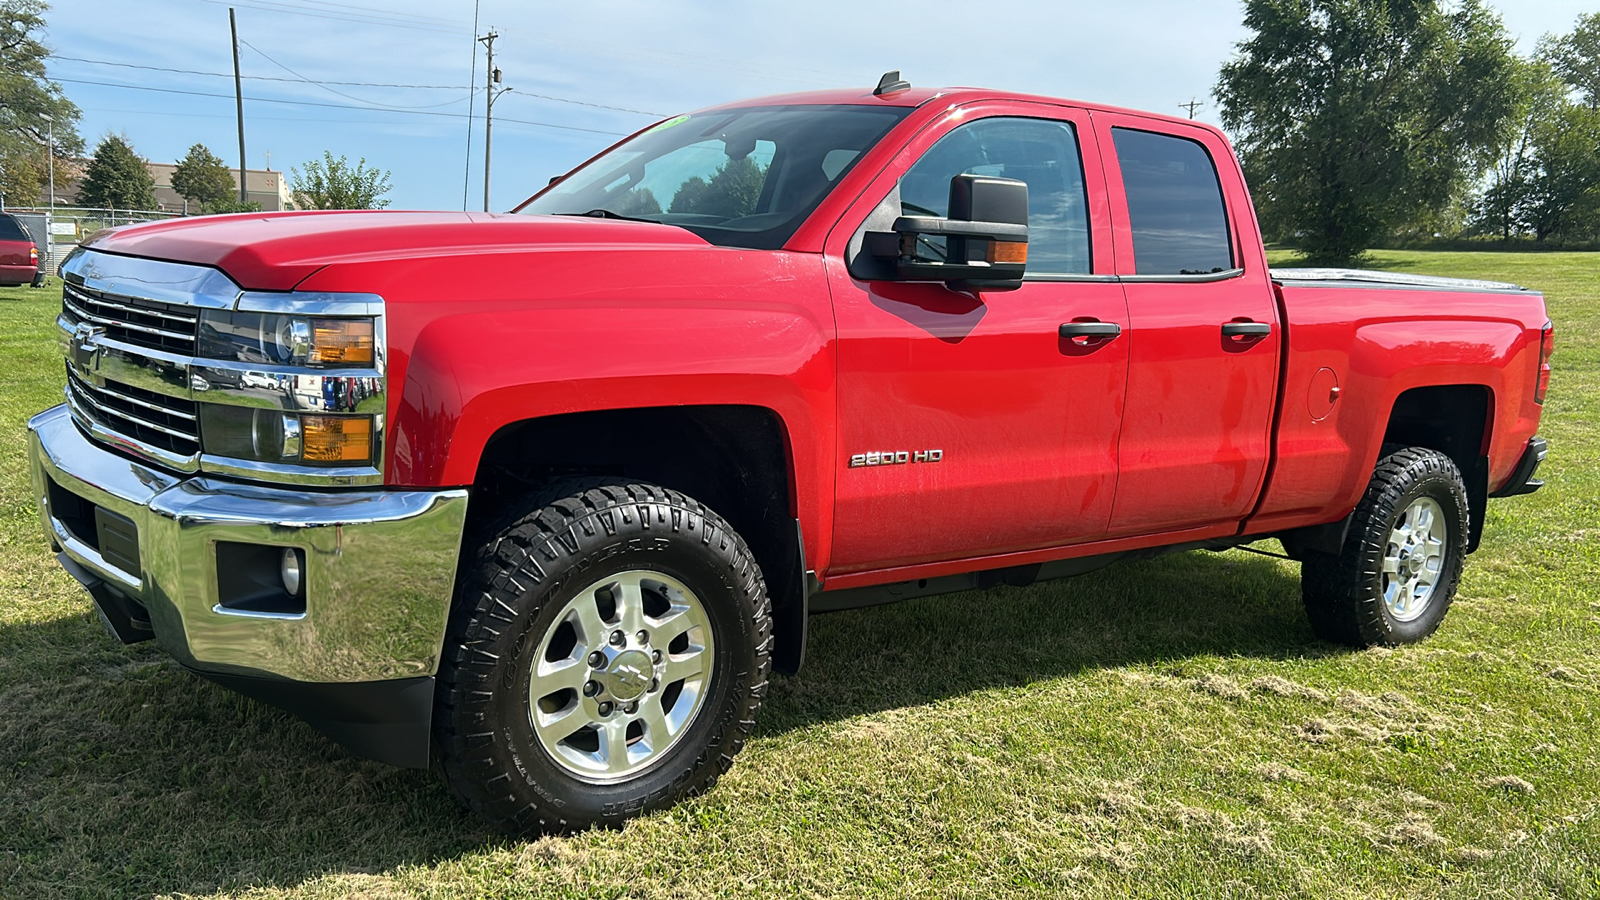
253	579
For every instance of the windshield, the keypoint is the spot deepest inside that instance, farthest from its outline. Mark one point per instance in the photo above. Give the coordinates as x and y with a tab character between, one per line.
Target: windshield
742	177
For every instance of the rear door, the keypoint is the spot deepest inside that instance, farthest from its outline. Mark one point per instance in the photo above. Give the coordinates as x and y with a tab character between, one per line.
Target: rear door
968	426
1205	337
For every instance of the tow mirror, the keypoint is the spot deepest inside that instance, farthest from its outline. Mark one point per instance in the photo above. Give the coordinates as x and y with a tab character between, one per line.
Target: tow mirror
983	245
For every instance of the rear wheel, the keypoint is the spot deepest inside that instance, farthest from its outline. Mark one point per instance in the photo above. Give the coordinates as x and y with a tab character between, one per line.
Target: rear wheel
1393	581
608	653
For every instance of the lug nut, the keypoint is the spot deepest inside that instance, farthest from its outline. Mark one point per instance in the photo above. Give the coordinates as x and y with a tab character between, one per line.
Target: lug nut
655	685
643	636
597	659
605	709
617	638
590	689
655	657
631	708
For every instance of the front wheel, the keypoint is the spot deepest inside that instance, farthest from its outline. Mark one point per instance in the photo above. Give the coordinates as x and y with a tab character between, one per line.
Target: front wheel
608	653
1397	573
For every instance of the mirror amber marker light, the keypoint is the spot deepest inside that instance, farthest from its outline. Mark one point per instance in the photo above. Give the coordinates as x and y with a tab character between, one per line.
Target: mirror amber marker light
1008	252
336	439
341	342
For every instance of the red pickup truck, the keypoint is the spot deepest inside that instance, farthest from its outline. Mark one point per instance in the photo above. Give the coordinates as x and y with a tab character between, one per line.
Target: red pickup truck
545	497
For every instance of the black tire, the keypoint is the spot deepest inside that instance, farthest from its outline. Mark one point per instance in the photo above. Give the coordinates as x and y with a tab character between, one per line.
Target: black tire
566	539
1345	595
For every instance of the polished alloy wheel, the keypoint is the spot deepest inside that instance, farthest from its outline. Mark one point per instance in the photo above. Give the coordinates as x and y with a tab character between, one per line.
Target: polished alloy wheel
620	676
1414	559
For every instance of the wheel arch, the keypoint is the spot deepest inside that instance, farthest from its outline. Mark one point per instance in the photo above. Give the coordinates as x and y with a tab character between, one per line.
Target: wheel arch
736	459
1458	421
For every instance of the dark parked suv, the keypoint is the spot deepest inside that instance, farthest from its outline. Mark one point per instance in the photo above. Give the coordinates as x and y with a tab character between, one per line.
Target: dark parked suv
19	255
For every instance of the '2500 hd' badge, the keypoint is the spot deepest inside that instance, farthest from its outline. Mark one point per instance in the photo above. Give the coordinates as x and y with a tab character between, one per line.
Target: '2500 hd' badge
895	458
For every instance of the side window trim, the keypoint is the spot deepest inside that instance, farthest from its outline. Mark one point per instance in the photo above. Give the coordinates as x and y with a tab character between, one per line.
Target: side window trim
1224	275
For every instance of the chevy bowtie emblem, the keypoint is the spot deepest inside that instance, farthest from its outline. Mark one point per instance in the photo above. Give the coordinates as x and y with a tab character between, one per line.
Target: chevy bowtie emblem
86	345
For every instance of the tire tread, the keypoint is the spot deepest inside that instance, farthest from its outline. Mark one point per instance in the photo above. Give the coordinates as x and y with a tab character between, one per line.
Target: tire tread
515	555
1338	591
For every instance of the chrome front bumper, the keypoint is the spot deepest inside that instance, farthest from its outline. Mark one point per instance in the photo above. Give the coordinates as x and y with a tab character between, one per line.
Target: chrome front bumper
380	565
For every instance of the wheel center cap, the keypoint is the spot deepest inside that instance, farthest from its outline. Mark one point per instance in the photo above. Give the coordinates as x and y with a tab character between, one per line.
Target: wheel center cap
628	675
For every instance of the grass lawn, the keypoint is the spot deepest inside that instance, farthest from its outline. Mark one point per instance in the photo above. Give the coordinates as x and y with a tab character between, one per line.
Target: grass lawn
1164	729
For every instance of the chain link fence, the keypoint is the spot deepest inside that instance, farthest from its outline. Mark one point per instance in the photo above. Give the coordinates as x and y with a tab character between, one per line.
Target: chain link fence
57	232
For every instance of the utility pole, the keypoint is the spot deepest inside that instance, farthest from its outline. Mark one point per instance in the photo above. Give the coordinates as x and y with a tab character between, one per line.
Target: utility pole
1191	106
50	161
238	97
488	111
50	220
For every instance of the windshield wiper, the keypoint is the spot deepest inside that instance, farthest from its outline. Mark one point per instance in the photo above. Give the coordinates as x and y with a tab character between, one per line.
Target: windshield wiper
608	214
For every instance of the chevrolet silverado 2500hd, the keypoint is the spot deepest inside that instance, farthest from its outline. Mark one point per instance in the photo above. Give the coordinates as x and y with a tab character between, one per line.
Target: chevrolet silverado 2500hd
552	525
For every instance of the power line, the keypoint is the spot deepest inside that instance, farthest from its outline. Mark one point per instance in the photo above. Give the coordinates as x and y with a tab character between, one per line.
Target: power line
407	112
430	87
466	168
382	12
125	65
342	93
196	115
361	19
642	112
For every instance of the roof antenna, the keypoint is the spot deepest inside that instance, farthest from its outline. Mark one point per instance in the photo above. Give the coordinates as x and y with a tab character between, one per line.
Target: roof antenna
890	83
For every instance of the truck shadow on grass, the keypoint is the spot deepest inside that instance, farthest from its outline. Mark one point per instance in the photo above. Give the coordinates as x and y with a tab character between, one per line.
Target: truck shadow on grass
121	774
1136	612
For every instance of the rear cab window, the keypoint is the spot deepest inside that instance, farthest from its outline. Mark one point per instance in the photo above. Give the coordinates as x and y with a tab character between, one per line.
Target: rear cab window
1175	207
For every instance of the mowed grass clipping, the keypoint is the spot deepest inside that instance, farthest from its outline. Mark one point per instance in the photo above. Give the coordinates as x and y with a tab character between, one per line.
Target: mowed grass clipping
1167	728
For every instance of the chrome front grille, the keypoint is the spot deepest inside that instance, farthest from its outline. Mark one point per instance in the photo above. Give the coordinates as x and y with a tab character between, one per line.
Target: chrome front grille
142	323
169	423
139	380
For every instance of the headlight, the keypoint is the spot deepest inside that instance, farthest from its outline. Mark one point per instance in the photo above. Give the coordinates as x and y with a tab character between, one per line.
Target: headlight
276	436
286	340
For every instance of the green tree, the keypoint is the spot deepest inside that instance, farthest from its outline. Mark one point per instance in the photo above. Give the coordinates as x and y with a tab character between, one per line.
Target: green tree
1503	207
117	178
1576	57
331	183
1562	198
733	190
638	202
27	98
1354	118
232	204
202	179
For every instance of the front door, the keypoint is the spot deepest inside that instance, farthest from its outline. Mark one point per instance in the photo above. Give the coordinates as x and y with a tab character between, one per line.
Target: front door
969	426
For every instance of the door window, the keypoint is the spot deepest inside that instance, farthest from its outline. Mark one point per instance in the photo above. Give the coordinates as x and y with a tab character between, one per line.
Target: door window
1174	205
1041	152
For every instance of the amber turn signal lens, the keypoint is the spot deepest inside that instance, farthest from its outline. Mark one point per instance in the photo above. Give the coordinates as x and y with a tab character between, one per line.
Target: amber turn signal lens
341	342
1014	252
336	439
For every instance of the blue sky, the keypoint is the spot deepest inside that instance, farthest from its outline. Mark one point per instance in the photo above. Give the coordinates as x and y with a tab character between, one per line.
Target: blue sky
635	56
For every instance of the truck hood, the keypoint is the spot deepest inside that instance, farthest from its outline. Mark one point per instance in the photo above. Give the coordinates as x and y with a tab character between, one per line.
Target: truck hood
276	251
